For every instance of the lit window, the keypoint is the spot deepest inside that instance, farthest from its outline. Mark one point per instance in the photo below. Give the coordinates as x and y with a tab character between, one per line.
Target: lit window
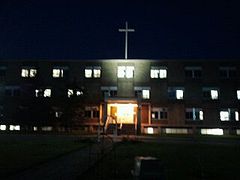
158	72
28	72
93	72
72	92
14	128
125	71
229	114
96	72
3	127
129	71
150	130
194	114
176	92
88	73
24	73
179	94
57	73
215	131
159	113
109	91
47	93
238	94
214	94
211	93
145	94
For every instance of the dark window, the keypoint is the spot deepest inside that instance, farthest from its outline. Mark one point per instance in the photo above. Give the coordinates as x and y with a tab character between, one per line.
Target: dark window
189	115
197	74
188	73
232	73
87	114
113	93
163	115
2	72
96	114
206	94
154	115
172	94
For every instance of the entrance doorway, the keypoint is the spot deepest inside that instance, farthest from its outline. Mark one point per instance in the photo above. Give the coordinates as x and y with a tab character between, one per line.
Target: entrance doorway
123	113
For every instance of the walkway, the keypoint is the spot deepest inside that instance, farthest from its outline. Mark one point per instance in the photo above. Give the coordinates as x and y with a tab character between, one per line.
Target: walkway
68	167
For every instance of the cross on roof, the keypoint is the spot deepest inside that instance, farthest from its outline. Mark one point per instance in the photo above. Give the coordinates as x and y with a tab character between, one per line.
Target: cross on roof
126	30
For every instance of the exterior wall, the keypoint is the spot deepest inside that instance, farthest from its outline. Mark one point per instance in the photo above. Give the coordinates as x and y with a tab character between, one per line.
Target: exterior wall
193	95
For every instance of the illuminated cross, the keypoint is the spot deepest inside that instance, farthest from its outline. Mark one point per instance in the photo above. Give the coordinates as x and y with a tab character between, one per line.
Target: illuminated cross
126	30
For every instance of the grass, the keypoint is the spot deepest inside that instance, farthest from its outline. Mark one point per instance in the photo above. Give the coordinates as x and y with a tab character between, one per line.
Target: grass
19	153
182	161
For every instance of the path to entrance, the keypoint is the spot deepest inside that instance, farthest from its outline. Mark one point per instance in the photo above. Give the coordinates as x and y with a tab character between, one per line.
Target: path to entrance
67	167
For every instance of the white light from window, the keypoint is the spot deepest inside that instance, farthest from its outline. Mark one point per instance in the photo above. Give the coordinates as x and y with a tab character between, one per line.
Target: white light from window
150	130
238	94
3	127
121	72
79	93
224	116
88	73
24	73
47	93
215	131
70	92
201	115
56	73
96	73
47	128
14	128
37	93
154	73
214	94
33	72
179	94
35	128
129	71
145	94
236	116
163	73
176	131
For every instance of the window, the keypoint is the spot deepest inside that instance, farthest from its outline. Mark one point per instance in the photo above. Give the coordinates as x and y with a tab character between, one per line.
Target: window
109	91
43	92
93	72
3	70
72	92
238	94
143	91
91	112
59	72
159	113
28	72
176	92
12	91
211	93
229	114
125	72
227	72
193	72
158	72
1	112
194	114
215	131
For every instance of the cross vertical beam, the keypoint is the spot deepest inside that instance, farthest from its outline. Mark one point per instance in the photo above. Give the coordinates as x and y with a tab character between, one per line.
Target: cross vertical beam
126	30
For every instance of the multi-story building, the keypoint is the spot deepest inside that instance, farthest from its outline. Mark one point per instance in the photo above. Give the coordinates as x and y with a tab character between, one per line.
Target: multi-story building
151	96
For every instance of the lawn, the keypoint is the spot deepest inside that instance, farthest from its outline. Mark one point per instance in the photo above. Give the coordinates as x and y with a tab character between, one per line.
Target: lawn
19	152
181	161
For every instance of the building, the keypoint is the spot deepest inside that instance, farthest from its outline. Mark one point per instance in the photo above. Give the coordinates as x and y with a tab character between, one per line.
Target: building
148	96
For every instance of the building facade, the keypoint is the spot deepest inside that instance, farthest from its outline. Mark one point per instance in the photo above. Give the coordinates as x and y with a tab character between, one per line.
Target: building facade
147	96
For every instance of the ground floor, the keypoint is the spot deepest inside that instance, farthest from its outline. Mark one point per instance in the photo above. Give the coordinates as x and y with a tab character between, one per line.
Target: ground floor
129	116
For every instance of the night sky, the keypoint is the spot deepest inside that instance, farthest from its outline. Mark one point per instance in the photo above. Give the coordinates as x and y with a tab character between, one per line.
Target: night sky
38	29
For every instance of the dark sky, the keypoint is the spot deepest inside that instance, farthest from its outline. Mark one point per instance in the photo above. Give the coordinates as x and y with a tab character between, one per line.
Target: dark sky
37	29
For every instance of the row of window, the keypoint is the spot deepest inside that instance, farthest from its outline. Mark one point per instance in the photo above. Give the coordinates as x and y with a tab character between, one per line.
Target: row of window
111	91
156	72
196	114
